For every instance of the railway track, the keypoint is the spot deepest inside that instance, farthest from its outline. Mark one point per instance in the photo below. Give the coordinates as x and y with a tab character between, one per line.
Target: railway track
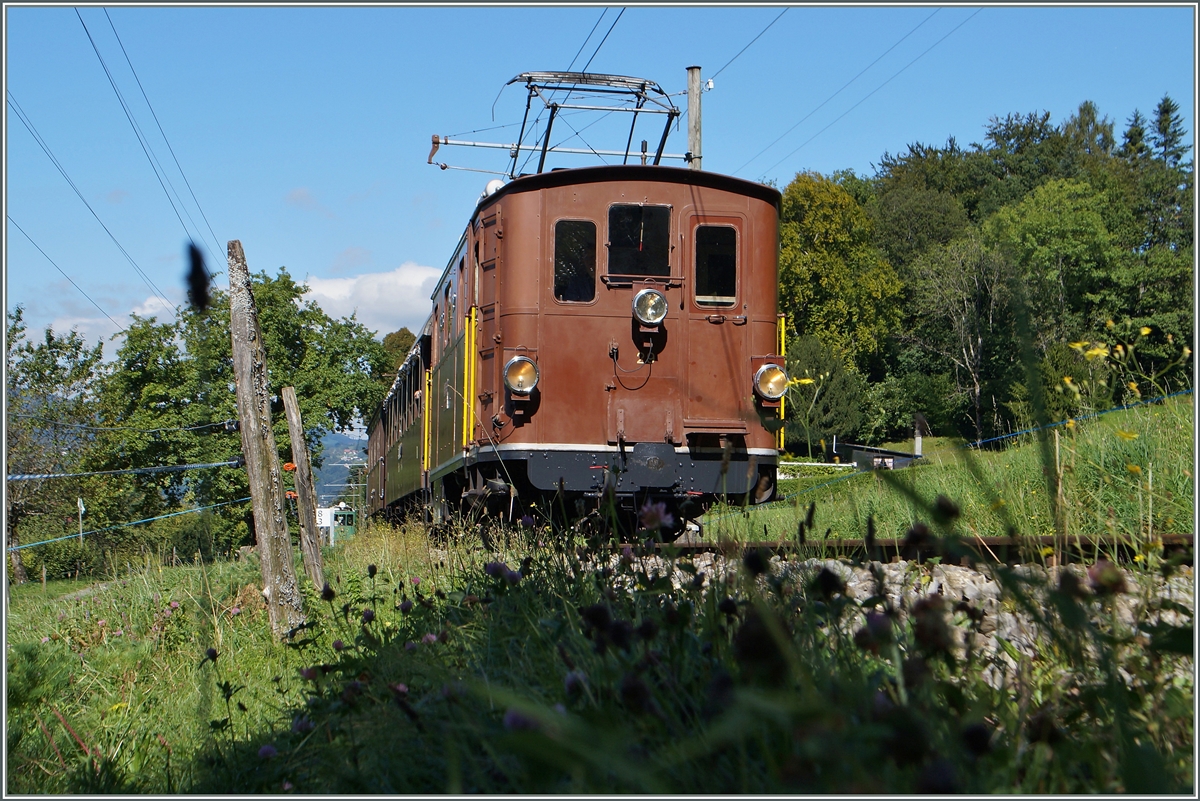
1006	549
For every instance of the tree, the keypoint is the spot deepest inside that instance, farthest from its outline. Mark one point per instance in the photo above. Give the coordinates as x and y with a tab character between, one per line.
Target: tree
397	344
1167	132
50	396
833	283
825	397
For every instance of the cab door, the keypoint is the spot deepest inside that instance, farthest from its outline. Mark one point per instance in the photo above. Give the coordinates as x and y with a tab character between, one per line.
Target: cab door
718	334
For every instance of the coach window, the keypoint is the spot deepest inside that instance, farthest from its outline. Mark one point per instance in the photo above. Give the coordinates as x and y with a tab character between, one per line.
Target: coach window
639	240
575	260
716	265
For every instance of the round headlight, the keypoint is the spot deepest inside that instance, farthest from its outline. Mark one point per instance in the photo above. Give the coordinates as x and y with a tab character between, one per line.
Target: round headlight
650	306
770	381
520	375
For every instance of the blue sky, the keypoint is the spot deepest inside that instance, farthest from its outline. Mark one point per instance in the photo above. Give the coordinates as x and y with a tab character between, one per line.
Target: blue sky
304	131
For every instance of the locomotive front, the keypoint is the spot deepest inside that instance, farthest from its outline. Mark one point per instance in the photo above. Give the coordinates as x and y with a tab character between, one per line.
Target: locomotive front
625	342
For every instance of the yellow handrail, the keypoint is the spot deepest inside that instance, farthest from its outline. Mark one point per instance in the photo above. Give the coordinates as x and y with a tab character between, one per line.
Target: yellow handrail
425	421
783	399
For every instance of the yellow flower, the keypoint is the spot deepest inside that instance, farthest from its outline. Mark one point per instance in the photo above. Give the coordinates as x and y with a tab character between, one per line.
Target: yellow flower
1144	331
997	504
117	706
1132	385
1108	324
1079	346
1047	550
1139	558
804	381
1133	468
1071	424
1128	436
1094	351
1120	349
1067	380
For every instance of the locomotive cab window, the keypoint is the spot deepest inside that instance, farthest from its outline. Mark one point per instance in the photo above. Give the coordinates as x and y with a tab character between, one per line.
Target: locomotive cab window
716	265
639	240
575	261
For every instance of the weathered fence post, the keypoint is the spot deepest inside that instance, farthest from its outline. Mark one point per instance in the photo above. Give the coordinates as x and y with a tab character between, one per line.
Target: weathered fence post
284	604
306	496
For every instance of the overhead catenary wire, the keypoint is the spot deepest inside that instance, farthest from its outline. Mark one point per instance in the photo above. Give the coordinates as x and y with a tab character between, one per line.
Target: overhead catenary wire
69	278
876	89
835	94
37	137
155	165
164	136
752	41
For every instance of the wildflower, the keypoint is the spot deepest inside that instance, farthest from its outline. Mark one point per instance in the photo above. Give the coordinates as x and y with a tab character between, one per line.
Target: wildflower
429	639
399	688
575	682
416	581
1128	436
918	535
338	645
626	555
1133	468
654	516
101	623
755	561
1144	330
302	724
174	604
929	624
368	615
45	640
308	673
211	654
1070	424
406	607
327	593
495	569
410	646
267	752
1095	351
875	634
289	466
515	720
1078	346
1106	578
802	381
371	571
829	583
526	521
287	786
512	576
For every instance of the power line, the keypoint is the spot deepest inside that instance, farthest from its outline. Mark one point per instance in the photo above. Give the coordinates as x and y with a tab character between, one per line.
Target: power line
69	278
838	92
165	139
155	165
585	41
238	462
752	41
873	91
126	525
21	115
602	41
228	424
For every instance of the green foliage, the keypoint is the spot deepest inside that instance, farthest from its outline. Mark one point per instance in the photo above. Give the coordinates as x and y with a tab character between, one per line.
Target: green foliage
825	396
833	283
397	344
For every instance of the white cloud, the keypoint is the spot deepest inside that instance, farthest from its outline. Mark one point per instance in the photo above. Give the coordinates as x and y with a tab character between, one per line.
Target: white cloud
385	302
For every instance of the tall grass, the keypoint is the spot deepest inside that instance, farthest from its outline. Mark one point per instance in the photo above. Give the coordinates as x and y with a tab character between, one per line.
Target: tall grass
1124	475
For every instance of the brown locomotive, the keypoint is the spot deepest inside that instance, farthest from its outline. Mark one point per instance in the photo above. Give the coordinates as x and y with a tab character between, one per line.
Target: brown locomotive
601	334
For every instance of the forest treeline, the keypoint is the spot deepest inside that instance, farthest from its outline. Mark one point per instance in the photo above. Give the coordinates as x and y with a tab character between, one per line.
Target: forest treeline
906	292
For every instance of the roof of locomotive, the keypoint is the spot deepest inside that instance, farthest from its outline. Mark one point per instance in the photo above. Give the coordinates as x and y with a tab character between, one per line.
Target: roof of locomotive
633	172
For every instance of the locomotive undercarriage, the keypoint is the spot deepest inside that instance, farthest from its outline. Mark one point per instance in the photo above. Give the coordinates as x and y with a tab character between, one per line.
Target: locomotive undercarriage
568	483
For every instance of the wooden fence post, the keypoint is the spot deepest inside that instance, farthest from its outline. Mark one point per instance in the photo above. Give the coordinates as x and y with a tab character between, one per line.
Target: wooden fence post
284	603
306	495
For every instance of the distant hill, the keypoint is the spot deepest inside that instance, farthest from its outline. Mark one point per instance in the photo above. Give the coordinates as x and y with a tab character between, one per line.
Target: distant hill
338	450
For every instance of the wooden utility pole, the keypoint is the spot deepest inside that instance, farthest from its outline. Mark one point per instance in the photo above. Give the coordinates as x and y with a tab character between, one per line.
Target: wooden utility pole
694	117
306	496
284	604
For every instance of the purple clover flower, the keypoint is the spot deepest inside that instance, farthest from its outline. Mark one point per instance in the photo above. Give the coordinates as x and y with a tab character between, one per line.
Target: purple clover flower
654	516
268	751
429	639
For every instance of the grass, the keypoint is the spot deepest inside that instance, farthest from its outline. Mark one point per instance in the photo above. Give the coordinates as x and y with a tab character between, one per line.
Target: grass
496	660
1126	474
